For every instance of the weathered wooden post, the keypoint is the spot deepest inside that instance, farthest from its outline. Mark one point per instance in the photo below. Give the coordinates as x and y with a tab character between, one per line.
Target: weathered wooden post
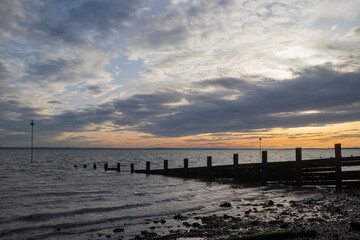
166	166
338	165
106	166
118	167
264	167
132	168
209	167
236	166
147	167
298	157
94	166
186	166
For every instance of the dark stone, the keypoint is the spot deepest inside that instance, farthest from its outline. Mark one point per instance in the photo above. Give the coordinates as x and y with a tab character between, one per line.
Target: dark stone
180	217
186	224
255	223
311	233
118	230
284	225
355	225
225	204
108	236
270	203
280	205
163	221
196	225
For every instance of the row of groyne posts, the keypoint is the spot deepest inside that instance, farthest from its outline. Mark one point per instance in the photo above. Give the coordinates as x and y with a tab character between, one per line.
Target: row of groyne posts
323	171
106	167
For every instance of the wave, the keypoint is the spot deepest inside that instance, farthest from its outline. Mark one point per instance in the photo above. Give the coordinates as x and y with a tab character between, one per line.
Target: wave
66	194
49	216
74	228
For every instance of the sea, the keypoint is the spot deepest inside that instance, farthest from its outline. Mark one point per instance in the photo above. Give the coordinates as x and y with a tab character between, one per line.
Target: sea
57	197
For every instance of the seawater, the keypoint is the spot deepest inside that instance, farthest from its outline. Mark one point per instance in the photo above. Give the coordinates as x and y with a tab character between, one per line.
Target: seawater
52	199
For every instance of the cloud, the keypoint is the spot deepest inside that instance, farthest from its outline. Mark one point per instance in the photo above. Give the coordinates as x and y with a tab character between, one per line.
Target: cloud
319	96
84	22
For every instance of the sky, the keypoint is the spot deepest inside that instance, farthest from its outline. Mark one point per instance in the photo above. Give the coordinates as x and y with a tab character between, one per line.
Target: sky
186	74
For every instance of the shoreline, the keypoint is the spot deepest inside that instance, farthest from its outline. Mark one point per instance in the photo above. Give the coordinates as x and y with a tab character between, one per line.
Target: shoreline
324	216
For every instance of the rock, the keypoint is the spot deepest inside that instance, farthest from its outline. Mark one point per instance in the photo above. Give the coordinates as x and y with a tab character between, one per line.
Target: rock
163	221
270	203
225	204
248	212
284	225
310	233
180	217
108	236
196	225
280	205
355	225
116	230
186	224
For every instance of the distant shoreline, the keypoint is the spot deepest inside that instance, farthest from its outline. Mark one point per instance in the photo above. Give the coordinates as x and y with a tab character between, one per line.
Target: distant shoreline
89	148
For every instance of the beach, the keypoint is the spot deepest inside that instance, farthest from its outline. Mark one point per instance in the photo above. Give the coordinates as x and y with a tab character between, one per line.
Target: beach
328	214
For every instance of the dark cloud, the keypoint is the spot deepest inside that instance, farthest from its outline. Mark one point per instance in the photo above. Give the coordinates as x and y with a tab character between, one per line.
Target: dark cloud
95	90
332	95
3	71
83	21
55	102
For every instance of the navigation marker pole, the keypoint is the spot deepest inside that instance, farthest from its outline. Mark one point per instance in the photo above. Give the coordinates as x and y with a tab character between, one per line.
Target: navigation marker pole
260	148
32	138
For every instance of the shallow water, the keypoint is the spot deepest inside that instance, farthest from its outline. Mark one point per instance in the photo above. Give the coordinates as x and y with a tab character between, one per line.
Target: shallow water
51	199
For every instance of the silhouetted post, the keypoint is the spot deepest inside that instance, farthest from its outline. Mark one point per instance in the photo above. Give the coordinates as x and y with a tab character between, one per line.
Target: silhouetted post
209	167
186	166
32	139
265	166
298	156
118	167
260	147
236	166
106	166
338	165
166	166
147	167
132	168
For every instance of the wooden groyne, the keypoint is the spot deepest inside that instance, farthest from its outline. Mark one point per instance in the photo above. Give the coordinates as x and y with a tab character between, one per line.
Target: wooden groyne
324	171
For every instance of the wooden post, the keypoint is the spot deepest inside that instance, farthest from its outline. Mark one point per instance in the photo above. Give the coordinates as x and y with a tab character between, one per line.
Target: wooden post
338	165
132	168
118	167
298	156
94	166
209	166
236	166
147	167
186	166
264	166
166	166
106	166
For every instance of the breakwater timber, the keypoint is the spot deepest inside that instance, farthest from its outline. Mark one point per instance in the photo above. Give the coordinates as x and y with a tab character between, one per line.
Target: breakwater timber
336	171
